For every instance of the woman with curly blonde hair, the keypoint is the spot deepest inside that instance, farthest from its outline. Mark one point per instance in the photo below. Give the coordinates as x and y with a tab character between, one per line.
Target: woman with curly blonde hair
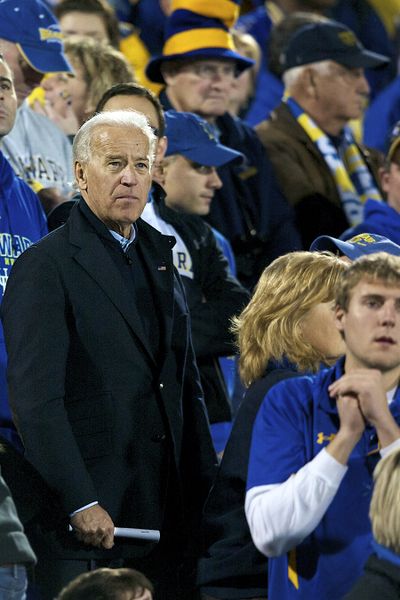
290	315
288	327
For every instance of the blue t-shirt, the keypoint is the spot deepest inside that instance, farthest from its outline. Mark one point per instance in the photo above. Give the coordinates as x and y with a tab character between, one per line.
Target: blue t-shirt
22	222
295	422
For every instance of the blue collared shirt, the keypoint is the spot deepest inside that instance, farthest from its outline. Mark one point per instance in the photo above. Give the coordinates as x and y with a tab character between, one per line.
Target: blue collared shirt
124	242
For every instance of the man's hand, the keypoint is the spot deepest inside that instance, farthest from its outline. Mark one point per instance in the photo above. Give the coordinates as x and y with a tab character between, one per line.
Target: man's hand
366	385
94	526
352	421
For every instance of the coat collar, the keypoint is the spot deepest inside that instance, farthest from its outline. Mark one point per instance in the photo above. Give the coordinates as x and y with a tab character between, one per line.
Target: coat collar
91	254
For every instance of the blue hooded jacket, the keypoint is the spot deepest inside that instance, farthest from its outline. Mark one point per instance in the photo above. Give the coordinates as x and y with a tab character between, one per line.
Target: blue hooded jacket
379	218
22	222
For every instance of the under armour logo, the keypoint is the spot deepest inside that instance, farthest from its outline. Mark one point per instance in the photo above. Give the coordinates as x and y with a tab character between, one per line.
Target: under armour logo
321	438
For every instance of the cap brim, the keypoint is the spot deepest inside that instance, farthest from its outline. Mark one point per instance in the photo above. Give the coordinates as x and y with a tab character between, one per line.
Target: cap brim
331	244
46	60
153	69
393	147
355	250
363	60
213	155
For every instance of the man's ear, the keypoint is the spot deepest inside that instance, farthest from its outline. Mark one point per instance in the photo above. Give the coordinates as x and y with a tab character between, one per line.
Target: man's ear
80	175
309	82
340	318
162	145
384	176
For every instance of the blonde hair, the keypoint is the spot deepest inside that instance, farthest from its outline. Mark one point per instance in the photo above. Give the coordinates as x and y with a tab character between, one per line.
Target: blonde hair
379	267
270	327
384	511
102	65
248	46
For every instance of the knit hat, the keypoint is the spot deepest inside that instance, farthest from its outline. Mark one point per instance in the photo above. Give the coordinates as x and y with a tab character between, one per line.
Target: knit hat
199	29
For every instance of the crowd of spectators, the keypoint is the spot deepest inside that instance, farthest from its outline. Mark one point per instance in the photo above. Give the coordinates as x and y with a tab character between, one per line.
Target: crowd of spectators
200	363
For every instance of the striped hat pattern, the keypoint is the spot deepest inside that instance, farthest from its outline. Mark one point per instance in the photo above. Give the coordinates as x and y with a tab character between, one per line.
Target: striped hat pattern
199	29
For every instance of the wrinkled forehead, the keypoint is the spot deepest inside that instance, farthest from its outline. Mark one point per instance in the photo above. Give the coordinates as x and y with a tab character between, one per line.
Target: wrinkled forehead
105	137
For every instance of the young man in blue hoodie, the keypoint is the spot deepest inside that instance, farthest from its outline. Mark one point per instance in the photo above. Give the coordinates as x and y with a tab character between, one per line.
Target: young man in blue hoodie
22	222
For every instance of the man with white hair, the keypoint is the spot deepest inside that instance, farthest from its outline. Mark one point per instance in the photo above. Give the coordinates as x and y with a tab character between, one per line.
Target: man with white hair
101	374
322	171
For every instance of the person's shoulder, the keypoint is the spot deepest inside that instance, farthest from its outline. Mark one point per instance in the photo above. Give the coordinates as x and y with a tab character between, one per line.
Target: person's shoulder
50	243
300	384
280	123
309	385
235	126
29	119
149	232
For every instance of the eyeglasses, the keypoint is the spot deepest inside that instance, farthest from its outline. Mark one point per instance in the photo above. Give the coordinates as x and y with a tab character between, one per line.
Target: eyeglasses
210	71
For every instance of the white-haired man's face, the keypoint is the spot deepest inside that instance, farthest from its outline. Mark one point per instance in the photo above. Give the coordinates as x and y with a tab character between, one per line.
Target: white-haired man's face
341	93
116	180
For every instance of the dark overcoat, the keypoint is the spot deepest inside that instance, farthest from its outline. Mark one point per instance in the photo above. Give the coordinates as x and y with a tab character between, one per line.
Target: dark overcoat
101	417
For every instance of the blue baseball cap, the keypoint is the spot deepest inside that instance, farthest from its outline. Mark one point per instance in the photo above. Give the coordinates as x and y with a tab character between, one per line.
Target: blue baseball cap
359	245
194	138
33	28
329	40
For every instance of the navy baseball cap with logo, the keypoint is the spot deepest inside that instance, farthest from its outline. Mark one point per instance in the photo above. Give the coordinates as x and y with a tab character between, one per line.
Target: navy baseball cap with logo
32	27
329	40
195	139
364	243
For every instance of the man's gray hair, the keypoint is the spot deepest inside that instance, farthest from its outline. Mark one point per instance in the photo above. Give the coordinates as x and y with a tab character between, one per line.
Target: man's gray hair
292	76
81	148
